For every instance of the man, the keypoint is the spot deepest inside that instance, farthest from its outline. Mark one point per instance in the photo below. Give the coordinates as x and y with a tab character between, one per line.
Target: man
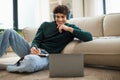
51	37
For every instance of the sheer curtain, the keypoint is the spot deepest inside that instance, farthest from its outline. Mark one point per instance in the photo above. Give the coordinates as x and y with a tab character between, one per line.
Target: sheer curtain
6	14
42	12
78	10
112	6
31	13
87	8
93	7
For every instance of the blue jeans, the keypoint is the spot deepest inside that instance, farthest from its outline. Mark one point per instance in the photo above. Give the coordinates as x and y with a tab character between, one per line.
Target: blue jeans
31	63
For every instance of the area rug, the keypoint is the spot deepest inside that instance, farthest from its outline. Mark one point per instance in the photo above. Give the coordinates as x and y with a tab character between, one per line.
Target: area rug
89	73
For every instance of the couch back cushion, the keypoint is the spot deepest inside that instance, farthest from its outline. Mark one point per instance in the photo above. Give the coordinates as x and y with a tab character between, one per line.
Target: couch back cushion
111	24
91	24
29	33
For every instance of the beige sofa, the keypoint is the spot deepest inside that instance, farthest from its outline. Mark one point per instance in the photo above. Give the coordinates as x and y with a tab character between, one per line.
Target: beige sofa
103	50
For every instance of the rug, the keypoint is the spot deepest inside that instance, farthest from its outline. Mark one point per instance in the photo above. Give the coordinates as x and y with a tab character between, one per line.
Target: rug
89	73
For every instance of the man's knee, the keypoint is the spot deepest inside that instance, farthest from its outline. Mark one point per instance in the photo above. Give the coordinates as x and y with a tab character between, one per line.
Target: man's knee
30	63
26	65
35	63
8	31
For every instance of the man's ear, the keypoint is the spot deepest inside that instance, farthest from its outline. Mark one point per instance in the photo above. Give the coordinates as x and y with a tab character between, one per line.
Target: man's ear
68	16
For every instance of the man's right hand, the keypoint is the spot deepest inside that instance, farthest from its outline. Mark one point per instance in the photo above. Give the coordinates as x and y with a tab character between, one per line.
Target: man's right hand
35	51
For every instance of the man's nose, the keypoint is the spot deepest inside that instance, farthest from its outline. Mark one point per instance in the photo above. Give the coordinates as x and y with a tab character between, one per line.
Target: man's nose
60	19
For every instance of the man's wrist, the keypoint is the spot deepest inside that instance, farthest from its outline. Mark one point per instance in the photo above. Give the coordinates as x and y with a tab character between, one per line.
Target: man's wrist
70	29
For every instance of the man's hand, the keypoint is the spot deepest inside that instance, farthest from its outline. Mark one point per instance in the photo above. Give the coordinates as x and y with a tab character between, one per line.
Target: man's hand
35	51
64	27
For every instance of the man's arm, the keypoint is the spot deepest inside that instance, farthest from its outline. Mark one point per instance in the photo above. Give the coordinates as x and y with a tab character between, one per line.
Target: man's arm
39	36
77	32
37	40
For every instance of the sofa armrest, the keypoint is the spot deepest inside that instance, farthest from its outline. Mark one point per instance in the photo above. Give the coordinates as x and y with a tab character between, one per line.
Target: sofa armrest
29	33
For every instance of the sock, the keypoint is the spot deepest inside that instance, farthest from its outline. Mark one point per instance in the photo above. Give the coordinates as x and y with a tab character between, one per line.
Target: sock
3	66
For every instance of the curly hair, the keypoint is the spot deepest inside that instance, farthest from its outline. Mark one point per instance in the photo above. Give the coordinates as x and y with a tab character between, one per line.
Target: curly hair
61	9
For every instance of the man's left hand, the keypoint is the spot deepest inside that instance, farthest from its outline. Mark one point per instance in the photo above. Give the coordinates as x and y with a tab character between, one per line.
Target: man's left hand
64	27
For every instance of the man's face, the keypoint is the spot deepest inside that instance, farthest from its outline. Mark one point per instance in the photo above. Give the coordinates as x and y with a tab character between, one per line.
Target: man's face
60	19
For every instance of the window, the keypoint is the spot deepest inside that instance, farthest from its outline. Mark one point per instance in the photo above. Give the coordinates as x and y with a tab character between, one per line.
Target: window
18	14
112	6
26	13
6	14
31	13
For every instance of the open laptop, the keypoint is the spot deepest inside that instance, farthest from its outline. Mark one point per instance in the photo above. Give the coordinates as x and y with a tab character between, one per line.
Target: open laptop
66	65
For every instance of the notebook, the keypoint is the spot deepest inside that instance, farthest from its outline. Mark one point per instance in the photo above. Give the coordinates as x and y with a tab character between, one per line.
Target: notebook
66	65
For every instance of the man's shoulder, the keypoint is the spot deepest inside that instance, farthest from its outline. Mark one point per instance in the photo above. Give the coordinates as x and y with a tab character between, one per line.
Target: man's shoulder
47	22
45	25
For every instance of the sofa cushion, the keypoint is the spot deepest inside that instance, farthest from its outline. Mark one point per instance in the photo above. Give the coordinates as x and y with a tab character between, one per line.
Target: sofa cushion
100	45
111	25
70	47
103	45
91	24
29	33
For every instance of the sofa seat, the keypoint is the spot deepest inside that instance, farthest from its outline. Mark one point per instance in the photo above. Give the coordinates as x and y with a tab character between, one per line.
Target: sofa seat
102	45
104	51
97	46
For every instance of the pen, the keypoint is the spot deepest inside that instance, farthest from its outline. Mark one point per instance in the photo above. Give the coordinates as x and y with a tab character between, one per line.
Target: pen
36	46
41	55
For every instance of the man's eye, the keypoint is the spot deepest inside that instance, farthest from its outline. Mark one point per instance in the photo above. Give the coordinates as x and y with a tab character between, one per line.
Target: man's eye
63	16
57	16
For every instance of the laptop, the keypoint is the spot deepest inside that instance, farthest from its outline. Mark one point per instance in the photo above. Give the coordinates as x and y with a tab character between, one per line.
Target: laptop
66	65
